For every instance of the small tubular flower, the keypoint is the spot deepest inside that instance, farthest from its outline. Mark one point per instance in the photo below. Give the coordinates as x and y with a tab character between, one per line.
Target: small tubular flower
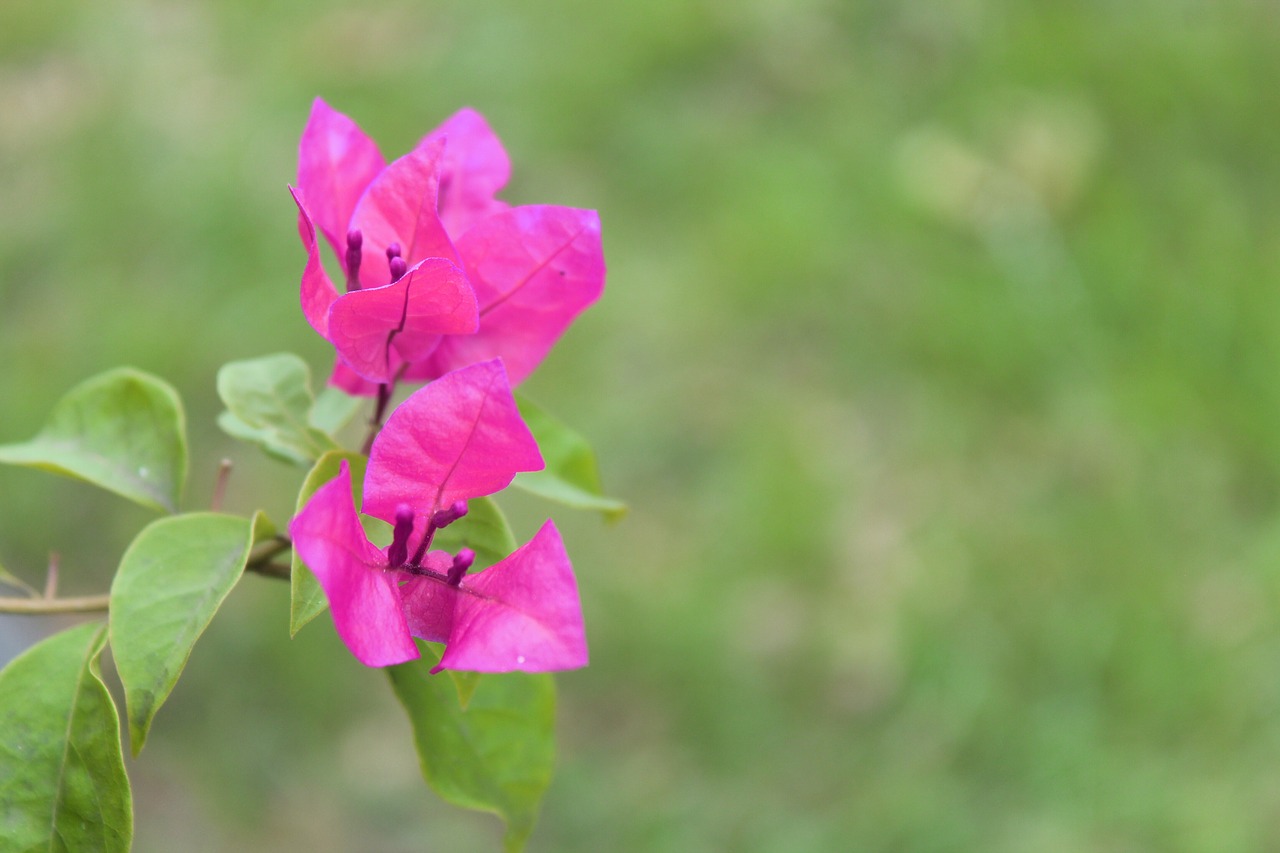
458	438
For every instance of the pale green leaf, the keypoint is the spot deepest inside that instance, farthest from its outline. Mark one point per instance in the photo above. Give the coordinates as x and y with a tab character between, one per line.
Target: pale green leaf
62	780
171	581
123	430
334	408
269	403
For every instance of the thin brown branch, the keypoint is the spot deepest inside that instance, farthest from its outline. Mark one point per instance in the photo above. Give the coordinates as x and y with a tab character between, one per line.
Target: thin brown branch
280	571
261	562
262	559
44	606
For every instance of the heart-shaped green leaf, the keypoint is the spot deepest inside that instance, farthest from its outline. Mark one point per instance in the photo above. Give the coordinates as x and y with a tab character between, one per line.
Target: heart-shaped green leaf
172	579
269	403
62	779
571	476
122	430
495	755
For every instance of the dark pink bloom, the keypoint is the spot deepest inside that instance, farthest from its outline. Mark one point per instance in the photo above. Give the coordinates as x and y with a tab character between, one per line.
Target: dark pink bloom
377	329
533	269
458	438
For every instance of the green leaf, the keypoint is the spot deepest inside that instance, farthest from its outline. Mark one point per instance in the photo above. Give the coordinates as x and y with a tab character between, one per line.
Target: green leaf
62	779
333	409
122	430
306	600
269	403
571	476
484	529
172	579
263	528
495	755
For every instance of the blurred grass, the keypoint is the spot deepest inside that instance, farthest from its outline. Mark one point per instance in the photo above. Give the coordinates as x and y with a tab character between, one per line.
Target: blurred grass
937	361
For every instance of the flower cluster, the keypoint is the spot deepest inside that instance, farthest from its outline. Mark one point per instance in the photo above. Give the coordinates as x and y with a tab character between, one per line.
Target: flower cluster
444	283
439	273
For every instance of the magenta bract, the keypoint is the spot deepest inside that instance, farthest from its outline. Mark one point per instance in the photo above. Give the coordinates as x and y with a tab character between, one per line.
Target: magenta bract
533	269
522	613
364	598
378	329
400	206
475	169
458	438
336	162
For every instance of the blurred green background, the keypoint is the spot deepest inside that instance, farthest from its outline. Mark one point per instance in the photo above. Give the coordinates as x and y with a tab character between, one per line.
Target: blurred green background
938	362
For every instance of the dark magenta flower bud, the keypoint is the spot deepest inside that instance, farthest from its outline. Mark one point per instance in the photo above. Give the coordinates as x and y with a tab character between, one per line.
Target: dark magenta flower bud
354	241
398	268
461	563
445	517
398	552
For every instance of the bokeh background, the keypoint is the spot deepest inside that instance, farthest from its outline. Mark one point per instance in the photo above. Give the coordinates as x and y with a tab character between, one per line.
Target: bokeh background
938	363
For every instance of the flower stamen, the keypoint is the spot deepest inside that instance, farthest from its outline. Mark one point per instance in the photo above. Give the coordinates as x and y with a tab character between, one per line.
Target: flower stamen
354	241
399	549
461	563
439	518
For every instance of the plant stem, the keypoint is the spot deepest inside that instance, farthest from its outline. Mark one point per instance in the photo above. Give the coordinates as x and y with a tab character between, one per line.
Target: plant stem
220	485
385	390
375	423
43	606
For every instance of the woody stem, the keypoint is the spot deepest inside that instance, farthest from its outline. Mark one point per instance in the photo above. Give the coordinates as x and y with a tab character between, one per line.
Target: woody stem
375	422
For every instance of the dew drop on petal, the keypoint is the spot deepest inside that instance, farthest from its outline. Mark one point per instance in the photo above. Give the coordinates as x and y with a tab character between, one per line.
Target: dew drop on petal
519	658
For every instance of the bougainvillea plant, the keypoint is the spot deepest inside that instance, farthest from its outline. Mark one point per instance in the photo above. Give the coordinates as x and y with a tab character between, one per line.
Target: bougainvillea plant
446	289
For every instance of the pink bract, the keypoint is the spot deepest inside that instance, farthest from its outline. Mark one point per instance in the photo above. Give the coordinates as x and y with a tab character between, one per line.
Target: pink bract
475	169
522	613
318	294
336	161
364	598
534	269
458	438
378	329
400	206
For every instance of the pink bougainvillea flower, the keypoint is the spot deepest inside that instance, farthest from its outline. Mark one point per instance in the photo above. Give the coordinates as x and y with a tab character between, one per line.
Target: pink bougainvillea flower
534	269
458	438
379	329
475	168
